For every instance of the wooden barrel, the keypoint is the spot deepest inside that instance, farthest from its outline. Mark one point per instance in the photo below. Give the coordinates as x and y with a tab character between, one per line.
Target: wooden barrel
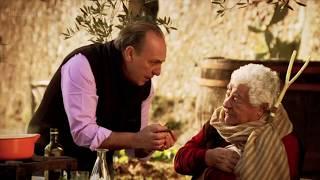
302	100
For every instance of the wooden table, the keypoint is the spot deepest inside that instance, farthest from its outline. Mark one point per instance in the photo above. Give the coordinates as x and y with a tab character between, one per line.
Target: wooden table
23	169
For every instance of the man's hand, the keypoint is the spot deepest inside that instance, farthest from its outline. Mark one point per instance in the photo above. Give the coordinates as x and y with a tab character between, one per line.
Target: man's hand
152	137
170	139
222	158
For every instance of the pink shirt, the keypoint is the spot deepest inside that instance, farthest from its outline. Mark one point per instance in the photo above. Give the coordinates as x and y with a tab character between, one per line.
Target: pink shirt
80	101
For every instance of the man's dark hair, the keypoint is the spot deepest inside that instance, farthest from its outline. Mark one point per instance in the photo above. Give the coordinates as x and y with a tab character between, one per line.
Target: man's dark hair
134	35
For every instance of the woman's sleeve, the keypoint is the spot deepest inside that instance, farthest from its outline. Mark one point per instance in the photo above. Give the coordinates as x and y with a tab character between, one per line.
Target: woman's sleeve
293	150
189	159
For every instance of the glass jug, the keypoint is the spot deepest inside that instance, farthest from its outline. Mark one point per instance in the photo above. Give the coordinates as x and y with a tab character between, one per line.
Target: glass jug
100	169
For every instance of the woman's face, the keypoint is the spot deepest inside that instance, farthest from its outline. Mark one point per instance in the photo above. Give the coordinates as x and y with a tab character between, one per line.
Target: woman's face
237	106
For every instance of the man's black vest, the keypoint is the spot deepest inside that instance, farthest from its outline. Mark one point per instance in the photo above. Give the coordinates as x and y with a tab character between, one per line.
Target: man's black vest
118	108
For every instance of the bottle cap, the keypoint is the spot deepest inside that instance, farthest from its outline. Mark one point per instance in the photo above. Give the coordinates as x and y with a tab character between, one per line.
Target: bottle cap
54	131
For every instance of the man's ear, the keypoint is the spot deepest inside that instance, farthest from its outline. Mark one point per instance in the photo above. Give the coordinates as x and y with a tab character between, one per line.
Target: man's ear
128	53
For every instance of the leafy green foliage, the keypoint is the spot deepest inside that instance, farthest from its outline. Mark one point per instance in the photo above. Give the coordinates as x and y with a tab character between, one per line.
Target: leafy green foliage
121	157
166	155
161	105
162	156
283	4
173	124
101	17
277	48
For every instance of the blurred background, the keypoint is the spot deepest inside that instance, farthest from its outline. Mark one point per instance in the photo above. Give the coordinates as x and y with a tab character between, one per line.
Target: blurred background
32	47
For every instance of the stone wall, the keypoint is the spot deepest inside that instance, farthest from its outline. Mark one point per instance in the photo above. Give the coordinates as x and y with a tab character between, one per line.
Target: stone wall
31	31
34	47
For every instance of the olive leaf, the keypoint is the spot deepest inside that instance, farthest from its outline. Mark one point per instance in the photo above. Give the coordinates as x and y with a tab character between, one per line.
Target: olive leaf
99	18
283	4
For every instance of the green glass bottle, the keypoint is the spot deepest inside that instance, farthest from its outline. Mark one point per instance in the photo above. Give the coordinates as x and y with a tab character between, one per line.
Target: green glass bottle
53	149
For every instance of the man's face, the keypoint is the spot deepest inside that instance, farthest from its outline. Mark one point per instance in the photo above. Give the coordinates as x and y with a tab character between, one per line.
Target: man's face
237	106
141	66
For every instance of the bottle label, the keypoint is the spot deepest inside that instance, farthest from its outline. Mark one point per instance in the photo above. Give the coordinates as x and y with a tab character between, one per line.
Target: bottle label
56	152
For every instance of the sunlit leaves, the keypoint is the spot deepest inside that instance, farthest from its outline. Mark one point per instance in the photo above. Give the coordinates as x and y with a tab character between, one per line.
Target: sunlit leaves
222	4
100	18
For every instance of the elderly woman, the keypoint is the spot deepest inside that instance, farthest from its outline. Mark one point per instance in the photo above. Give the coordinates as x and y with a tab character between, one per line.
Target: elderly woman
242	140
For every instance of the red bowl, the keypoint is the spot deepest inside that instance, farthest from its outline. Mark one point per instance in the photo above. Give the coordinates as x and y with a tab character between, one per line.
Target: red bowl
18	146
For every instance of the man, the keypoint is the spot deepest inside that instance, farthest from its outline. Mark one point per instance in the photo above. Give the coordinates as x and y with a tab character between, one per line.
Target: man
100	97
242	140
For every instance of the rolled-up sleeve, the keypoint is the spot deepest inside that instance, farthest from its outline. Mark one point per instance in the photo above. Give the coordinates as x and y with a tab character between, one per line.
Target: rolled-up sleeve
80	102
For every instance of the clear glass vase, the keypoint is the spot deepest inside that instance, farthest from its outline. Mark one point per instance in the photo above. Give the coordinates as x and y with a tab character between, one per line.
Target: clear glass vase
100	169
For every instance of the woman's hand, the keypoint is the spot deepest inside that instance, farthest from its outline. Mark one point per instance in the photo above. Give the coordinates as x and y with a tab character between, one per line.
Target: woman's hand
222	158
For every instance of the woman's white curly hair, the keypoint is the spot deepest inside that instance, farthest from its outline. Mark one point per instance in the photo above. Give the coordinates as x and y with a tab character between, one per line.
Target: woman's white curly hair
263	83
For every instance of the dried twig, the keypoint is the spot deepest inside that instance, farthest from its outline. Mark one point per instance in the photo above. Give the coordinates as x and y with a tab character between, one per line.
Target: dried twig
288	82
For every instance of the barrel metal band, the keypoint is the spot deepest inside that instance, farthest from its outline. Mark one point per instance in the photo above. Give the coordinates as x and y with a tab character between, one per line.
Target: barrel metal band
217	65
224	83
212	82
235	65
